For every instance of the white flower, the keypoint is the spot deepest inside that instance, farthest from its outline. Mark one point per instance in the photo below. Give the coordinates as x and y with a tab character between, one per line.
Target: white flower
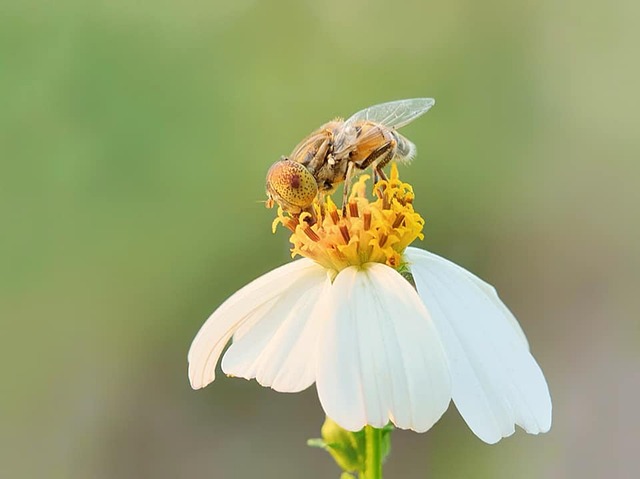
377	349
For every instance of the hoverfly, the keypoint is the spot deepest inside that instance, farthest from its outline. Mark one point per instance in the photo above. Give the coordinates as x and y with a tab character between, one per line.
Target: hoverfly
333	153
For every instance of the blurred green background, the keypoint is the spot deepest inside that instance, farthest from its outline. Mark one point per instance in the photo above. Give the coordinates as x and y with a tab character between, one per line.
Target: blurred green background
134	141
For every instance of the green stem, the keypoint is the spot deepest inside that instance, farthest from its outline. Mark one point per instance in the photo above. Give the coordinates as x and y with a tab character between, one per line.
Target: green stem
373	453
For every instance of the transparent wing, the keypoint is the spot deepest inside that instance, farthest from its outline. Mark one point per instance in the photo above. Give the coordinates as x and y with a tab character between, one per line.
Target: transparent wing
394	114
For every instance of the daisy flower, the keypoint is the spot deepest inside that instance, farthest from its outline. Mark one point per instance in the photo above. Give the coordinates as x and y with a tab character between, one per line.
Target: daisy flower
386	331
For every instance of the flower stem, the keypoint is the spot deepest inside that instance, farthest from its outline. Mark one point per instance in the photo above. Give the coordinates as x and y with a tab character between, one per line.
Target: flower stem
373	451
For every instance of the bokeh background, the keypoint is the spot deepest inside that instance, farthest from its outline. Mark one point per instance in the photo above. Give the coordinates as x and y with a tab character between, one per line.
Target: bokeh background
134	141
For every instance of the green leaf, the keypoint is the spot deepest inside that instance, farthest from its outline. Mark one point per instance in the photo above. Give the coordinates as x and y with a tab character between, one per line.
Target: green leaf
348	448
316	442
386	440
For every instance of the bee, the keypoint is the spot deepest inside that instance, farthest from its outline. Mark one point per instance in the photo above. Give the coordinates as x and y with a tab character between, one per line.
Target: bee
335	151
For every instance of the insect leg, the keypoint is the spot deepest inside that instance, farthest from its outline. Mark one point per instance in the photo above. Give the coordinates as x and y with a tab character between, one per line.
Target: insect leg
319	157
378	169
378	175
346	187
380	157
321	202
380	152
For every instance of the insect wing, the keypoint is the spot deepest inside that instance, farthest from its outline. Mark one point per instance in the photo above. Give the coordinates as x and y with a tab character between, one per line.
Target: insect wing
394	114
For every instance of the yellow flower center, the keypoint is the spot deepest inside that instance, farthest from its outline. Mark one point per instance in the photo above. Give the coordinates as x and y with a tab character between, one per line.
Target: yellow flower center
369	231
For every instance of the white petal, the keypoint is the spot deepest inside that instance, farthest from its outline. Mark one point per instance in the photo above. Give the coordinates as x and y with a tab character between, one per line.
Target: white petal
380	356
247	305
496	381
280	349
491	292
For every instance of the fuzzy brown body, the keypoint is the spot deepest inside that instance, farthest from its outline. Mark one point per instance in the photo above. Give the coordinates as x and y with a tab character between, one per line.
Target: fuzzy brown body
327	152
334	152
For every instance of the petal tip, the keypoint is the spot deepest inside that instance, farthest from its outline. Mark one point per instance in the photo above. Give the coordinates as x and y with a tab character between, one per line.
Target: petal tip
197	380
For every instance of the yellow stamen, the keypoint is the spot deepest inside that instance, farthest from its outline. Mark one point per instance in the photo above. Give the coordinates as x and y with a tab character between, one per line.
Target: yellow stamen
370	231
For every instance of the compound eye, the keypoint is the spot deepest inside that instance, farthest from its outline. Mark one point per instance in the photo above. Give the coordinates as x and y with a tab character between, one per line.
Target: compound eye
291	185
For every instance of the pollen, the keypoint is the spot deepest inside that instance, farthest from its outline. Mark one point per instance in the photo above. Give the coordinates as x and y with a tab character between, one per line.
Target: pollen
366	231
